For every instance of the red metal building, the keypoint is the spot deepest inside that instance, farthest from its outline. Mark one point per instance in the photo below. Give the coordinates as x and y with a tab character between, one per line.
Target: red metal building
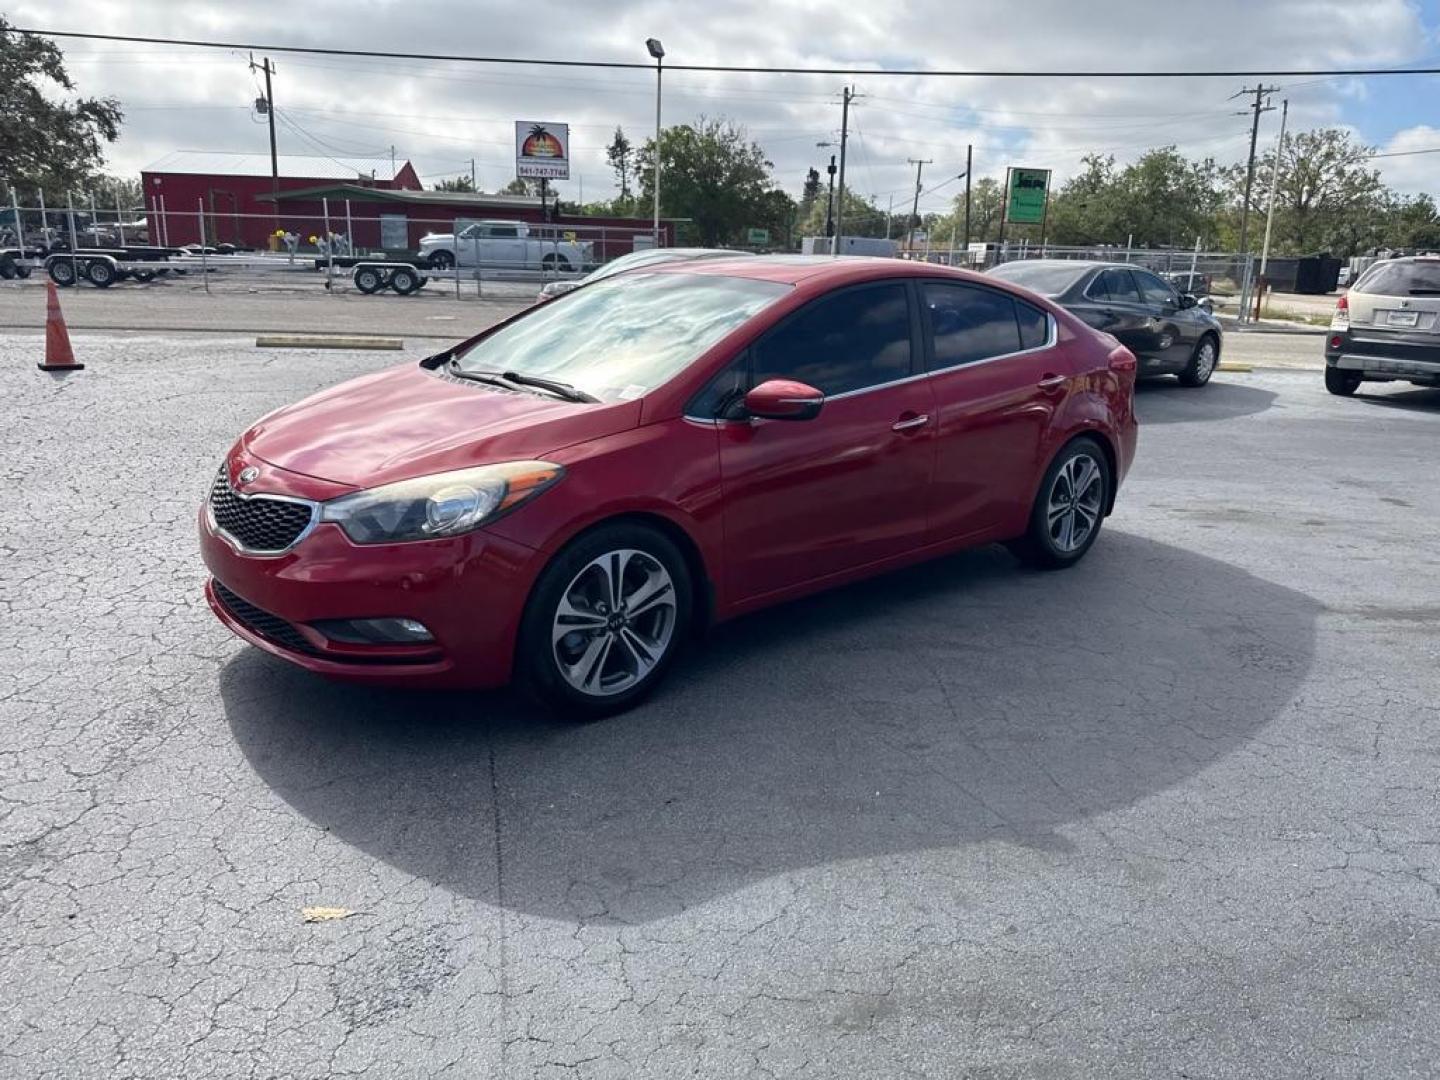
227	189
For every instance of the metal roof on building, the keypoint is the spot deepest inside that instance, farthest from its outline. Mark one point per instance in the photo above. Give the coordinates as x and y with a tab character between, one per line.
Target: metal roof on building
419	198
292	166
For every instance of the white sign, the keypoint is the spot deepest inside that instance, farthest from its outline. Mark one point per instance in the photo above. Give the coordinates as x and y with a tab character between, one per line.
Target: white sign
542	150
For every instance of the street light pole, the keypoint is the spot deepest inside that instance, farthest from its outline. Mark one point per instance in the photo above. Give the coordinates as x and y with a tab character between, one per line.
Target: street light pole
1274	173
657	50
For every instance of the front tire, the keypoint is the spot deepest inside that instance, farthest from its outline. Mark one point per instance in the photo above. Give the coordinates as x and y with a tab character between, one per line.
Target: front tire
1341	382
1069	507
605	621
369	280
1202	362
441	260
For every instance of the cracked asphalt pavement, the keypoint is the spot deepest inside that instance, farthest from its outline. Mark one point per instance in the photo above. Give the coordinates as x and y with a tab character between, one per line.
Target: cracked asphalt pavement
1170	813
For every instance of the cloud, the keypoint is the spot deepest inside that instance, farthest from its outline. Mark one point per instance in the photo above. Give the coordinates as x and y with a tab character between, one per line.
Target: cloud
1415	173
442	114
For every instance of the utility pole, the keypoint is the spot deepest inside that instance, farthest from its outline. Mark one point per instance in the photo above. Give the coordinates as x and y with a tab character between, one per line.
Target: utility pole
1261	92
473	185
849	96
1274	172
269	69
392	161
919	164
889	215
969	168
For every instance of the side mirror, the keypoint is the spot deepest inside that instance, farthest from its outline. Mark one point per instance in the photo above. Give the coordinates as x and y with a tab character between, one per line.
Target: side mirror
784	399
1188	301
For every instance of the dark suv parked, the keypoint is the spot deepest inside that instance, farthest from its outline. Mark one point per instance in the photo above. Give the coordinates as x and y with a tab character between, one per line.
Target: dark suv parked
1387	327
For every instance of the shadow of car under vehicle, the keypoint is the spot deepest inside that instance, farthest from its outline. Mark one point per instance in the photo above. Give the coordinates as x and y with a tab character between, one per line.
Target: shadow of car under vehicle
1418	399
1164	401
958	702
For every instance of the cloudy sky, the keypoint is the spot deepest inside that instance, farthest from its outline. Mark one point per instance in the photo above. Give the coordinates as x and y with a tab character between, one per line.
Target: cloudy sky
440	115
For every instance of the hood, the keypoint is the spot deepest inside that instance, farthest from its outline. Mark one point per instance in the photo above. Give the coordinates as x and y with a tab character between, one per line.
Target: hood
411	422
437	236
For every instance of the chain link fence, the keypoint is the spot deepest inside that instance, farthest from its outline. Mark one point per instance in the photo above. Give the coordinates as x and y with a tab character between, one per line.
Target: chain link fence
337	246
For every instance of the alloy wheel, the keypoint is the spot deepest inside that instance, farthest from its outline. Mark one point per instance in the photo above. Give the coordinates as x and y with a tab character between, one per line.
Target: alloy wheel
614	623
1075	503
1205	360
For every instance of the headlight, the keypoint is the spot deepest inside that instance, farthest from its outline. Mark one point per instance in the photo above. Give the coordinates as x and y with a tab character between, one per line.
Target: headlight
429	507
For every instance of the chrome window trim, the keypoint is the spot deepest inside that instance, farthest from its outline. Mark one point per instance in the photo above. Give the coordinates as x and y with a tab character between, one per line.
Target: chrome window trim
261	553
1051	340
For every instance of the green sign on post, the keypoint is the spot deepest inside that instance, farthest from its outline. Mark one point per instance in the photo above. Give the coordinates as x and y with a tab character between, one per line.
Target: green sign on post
758	236
1025	199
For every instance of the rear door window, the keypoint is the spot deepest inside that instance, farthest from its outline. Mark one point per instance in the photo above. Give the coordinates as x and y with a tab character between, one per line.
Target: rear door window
1034	325
968	323
1115	285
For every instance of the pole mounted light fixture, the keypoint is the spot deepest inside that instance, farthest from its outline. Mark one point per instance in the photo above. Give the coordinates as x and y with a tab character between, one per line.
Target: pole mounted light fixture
656	49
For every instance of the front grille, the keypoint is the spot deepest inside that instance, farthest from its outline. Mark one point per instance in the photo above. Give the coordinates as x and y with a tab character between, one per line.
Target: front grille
271	627
257	523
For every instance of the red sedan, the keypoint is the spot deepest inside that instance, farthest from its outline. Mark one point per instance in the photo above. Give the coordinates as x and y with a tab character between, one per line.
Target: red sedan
563	498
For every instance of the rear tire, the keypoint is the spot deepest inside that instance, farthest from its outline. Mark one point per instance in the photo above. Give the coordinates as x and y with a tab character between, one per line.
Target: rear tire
143	276
1069	507
1340	382
101	274
404	281
625	637
1202	362
7	267
554	263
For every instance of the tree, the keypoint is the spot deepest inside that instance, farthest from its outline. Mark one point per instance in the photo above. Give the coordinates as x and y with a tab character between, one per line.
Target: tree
712	174
456	183
1412	224
861	217
618	155
810	193
986	200
1327	197
520	187
48	141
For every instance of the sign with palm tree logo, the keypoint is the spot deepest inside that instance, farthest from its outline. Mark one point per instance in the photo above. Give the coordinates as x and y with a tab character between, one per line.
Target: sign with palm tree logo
542	150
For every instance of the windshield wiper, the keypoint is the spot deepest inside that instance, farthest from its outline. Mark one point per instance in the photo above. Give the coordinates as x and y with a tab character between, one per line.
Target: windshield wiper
555	386
509	380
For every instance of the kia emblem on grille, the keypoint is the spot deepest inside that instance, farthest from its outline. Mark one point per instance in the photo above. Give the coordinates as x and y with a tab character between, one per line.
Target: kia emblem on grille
250	472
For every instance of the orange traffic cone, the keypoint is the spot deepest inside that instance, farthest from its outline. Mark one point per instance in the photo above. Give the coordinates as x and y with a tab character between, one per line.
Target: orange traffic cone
58	354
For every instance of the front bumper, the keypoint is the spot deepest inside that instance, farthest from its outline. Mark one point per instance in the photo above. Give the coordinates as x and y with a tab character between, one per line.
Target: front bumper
469	591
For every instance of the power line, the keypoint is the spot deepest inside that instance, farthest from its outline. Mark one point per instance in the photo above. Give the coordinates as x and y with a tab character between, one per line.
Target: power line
749	69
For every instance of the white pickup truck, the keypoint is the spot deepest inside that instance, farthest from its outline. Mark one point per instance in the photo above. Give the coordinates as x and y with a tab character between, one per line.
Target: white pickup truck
502	245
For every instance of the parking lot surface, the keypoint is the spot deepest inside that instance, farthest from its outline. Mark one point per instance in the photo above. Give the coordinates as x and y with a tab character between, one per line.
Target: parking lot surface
1170	813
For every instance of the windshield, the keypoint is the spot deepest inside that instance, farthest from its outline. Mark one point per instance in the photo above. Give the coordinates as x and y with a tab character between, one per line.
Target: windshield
622	337
1047	279
1402	279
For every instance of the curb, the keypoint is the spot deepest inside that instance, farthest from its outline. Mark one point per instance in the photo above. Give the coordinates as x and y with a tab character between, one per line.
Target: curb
326	341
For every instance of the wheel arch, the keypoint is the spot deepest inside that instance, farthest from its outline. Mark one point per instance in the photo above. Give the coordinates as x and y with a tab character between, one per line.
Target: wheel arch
702	580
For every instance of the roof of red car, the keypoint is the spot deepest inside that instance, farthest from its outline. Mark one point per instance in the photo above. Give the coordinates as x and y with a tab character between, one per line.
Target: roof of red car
793	269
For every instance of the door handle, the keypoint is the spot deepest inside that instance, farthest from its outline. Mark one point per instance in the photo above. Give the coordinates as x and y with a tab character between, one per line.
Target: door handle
1051	382
911	423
